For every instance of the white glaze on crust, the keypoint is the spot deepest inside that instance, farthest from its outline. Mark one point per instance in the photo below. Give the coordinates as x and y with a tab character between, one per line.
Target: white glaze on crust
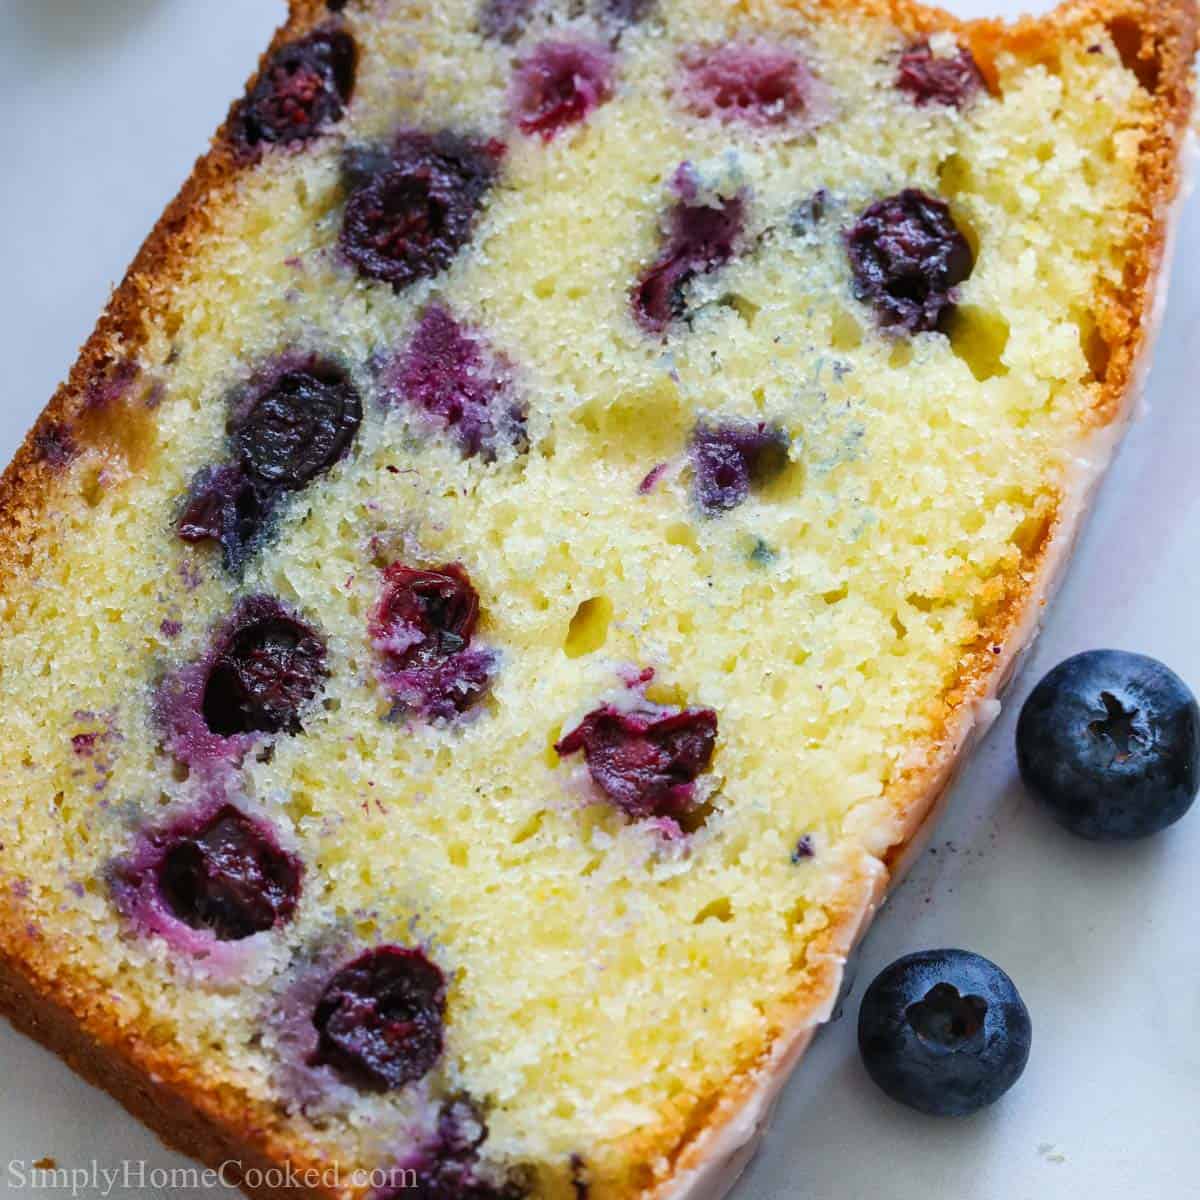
724	1150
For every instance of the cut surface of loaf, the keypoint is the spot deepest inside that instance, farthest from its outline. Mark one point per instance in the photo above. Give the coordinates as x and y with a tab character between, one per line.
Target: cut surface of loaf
509	578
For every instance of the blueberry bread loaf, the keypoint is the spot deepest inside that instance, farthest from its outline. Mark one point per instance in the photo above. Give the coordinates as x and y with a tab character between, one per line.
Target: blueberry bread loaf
509	578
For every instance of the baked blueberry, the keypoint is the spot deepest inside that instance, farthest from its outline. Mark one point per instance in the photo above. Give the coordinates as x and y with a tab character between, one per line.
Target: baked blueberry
422	628
302	90
287	428
926	77
730	460
907	257
379	1019
425	616
944	1031
754	83
227	506
409	218
266	669
228	875
447	1166
700	238
296	426
451	375
55	444
461	1128
214	874
645	761
444	690
261	672
559	84
1109	742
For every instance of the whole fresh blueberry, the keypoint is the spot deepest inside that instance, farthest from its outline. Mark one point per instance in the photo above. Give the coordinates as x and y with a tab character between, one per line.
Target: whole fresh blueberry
944	1031
1109	742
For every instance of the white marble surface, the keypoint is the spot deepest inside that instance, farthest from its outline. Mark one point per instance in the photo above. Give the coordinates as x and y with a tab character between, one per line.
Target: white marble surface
105	103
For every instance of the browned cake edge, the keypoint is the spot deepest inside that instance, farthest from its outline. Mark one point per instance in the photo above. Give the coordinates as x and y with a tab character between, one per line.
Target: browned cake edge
57	1005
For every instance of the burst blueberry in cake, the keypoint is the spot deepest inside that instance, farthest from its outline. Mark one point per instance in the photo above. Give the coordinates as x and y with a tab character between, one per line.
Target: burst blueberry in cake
509	578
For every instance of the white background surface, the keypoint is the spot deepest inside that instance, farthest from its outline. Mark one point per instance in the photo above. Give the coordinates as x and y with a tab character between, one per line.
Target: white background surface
104	104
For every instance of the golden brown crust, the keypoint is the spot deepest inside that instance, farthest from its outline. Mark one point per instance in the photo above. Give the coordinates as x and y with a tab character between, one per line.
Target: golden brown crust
59	1007
159	1096
1157	39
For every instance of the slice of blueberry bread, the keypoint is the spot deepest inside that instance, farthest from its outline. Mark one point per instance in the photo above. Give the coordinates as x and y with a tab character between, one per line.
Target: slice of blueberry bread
510	577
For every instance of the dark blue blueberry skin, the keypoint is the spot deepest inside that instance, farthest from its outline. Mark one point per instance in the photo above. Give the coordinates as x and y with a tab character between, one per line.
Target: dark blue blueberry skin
944	1031
1109	742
